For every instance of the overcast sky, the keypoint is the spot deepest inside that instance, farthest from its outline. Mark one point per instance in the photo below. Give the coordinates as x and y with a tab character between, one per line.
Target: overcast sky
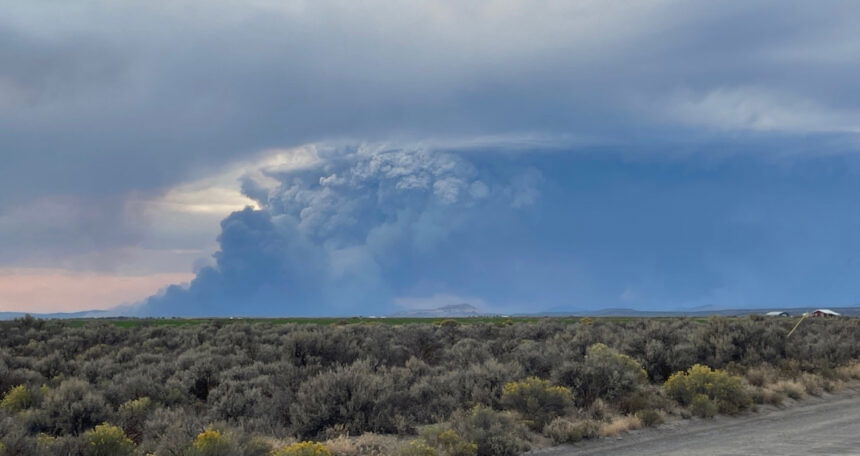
519	156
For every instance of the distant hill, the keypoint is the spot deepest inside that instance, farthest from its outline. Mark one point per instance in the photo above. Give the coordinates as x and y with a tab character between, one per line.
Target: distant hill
454	310
696	312
468	310
58	315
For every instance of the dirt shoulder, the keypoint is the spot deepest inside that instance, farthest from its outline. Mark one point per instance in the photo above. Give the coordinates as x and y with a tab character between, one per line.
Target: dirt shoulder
826	425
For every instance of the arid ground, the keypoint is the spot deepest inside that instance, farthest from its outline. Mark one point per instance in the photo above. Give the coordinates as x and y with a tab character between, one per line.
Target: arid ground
821	426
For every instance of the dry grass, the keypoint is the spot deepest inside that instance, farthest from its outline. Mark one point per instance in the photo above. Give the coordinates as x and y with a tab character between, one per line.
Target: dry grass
761	376
813	384
771	396
598	410
365	445
849	372
620	425
791	388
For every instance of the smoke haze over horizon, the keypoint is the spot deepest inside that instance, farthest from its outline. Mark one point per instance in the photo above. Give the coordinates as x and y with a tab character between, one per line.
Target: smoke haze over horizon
334	157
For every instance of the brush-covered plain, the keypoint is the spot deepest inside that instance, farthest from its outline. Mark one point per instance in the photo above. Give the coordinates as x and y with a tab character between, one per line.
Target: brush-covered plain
376	387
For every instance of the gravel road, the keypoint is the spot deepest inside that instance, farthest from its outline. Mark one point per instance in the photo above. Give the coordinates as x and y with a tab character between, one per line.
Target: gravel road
821	426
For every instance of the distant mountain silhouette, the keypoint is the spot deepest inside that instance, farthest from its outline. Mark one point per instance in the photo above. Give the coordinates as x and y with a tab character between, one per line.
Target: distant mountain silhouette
58	315
453	310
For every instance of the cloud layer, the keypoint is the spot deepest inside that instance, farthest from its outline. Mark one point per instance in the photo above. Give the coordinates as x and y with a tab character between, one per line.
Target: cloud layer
142	95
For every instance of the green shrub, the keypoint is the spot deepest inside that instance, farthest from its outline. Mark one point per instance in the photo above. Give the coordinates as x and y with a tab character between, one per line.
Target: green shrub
703	406
495	433
725	390
537	400
17	399
606	374
211	442
303	449
107	440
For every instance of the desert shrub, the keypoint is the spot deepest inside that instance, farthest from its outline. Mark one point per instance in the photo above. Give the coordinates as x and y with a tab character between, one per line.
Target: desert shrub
233	400
170	431
606	374
253	446
813	385
447	442
74	407
537	400
619	425
211	442
790	388
649	417
418	448
132	416
703	406
17	399
647	398
760	375
598	410
476	384
353	397
468	351
64	445
495	433
850	371
562	430
766	395
725	390
107	440
533	357
14	436
52	365
303	449
364	445
295	379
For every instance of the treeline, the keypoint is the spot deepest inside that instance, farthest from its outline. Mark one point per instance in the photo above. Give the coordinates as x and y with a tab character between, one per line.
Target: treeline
233	388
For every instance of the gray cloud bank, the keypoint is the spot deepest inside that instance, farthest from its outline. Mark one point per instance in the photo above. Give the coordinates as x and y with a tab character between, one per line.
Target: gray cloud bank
100	96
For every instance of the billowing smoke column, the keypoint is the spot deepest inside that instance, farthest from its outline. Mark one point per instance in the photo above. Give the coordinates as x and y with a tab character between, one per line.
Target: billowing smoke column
349	232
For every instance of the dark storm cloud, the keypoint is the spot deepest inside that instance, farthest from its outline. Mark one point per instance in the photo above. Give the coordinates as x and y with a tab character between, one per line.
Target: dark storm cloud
104	96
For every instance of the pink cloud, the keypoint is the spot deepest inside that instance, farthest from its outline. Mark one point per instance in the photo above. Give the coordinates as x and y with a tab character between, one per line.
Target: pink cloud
59	290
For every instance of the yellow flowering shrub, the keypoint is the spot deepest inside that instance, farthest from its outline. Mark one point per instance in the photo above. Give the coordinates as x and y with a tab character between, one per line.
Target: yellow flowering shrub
537	400
107	440
211	442
303	449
